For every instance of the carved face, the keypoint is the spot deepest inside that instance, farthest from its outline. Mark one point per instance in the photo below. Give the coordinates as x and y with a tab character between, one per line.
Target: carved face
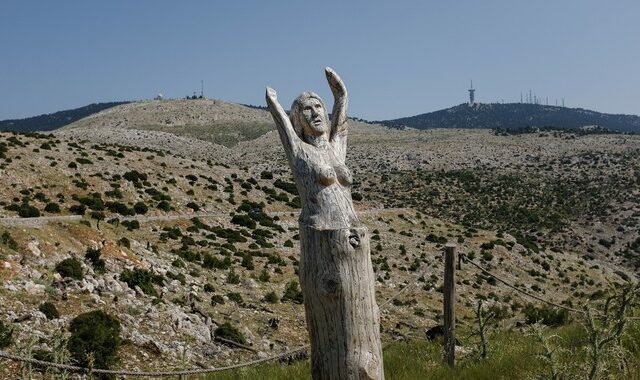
314	117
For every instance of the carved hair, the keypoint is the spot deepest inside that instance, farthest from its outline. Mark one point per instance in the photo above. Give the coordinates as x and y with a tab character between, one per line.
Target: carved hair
296	117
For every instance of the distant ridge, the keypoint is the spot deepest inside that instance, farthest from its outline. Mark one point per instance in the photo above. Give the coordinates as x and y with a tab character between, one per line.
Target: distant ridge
49	122
516	116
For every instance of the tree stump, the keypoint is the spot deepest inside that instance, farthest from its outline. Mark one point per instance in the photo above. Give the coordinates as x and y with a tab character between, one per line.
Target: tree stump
336	274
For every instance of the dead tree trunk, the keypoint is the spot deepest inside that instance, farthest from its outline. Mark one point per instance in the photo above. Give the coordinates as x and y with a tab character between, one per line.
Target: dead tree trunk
336	274
342	316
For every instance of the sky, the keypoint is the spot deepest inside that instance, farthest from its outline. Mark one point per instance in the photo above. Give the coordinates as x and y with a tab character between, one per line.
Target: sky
397	58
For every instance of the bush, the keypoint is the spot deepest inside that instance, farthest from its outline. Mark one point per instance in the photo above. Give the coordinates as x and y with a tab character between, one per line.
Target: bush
78	209
235	297
140	208
233	278
548	315
71	268
49	310
93	255
142	278
120	208
135	176
164	206
271	297
95	334
264	276
229	332
6	335
244	221
83	161
292	293
194	206
28	211
124	242
131	225
8	240
217	299
52	207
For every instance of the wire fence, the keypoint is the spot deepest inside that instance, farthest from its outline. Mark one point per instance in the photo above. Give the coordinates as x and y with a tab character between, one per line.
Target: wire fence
466	259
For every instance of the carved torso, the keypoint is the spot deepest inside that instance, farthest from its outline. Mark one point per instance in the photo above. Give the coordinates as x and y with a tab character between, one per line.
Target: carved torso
324	184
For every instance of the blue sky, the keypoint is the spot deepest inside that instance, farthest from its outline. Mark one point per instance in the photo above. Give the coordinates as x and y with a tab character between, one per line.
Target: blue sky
397	58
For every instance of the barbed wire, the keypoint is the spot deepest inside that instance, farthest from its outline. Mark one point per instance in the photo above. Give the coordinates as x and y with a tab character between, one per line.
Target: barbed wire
466	259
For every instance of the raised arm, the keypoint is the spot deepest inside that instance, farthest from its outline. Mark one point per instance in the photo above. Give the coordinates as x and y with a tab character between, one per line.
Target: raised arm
339	113
288	136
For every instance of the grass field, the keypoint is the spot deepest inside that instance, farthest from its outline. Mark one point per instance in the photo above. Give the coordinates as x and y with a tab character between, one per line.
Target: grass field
512	355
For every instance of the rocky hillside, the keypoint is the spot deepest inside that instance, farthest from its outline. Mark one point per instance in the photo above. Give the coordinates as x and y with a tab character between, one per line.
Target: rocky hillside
515	116
213	121
176	246
49	122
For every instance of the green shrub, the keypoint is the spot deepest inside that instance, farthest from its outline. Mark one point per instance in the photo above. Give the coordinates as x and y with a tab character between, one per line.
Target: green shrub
49	310
52	207
233	278
28	211
120	208
244	221
547	315
141	278
94	202
164	206
229	332
83	161
93	255
124	242
140	208
235	297
264	276
131	225
217	299
271	297
288	243
6	335
71	268
194	206
8	240
135	176
292	293
94	334
78	209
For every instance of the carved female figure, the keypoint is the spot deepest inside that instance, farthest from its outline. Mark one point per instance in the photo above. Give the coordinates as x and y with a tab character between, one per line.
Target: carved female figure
335	262
316	151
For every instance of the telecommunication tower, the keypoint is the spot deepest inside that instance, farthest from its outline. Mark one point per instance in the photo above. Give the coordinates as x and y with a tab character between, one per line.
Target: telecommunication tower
471	94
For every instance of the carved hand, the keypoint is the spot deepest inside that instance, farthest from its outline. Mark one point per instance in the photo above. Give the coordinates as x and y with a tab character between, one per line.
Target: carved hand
337	86
287	135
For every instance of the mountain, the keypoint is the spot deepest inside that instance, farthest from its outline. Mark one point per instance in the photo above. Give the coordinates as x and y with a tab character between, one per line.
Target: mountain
515	116
51	121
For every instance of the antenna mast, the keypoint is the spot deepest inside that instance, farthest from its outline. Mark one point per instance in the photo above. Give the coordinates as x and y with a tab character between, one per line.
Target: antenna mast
471	94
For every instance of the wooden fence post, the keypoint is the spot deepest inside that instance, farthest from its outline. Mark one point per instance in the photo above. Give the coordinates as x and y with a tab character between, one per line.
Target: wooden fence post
449	304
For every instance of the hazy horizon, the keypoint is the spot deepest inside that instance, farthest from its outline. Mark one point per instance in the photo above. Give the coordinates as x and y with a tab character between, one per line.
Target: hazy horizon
397	60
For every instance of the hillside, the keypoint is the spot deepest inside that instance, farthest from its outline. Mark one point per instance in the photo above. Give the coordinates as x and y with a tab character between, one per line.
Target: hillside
49	122
514	116
189	244
208	120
